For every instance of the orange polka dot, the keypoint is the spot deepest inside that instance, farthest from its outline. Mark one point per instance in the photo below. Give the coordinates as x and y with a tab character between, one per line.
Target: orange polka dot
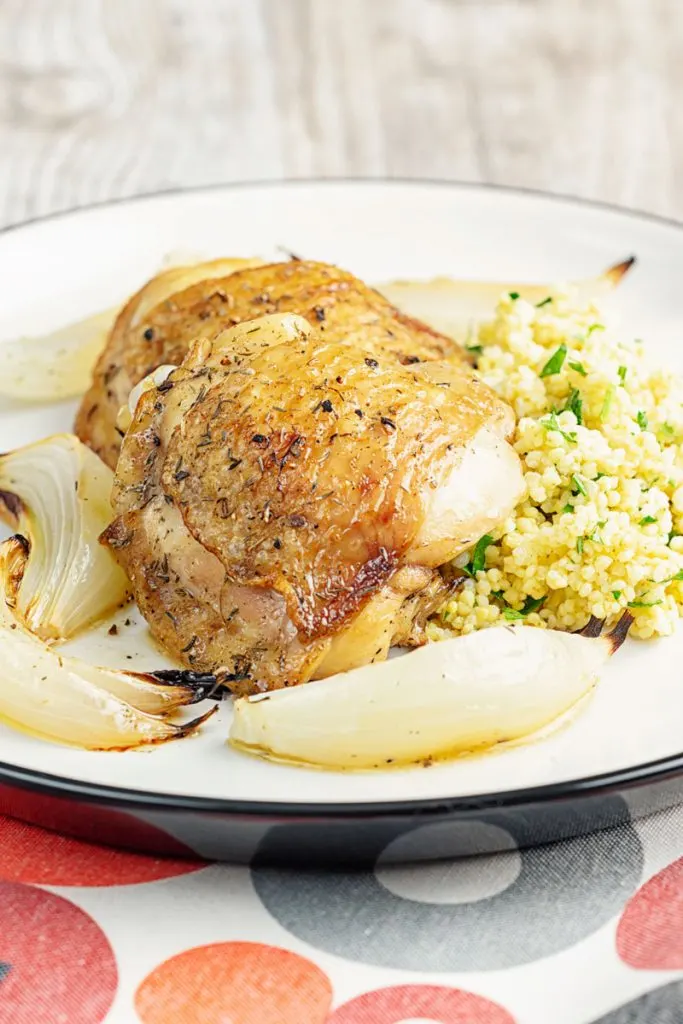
33	855
240	982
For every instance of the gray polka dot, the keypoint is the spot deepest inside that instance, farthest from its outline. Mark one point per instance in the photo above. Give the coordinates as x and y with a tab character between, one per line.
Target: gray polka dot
662	1006
563	893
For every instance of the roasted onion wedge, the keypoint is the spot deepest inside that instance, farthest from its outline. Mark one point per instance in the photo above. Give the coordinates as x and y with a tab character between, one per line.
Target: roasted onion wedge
441	700
57	365
456	307
56	494
60	364
65	699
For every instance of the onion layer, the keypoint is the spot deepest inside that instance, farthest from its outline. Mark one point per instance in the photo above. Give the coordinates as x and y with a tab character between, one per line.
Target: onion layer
441	700
60	364
57	494
456	307
65	699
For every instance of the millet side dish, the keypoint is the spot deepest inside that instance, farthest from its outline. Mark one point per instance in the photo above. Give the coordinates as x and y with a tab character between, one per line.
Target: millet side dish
599	432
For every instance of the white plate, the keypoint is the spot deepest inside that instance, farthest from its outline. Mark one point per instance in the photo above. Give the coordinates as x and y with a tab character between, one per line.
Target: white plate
60	269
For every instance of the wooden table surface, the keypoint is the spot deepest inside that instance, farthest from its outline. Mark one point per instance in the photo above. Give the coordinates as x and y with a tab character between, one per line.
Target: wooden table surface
108	98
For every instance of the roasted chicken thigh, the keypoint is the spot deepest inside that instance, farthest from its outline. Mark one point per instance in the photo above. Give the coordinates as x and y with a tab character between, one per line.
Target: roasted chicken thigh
158	324
286	498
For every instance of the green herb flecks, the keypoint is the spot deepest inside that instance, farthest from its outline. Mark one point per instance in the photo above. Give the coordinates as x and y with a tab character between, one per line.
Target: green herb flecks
622	371
575	405
641	420
578	485
531	604
579	367
544	302
607	403
551	423
647	521
478	561
555	363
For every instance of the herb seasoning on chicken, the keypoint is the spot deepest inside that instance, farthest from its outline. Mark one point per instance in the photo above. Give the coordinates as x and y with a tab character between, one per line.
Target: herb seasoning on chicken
284	535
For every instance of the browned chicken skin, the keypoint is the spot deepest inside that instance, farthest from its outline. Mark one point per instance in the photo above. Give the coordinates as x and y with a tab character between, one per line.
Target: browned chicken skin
285	499
158	324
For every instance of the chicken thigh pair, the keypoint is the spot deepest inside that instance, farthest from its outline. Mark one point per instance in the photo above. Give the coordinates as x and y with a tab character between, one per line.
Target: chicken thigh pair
289	499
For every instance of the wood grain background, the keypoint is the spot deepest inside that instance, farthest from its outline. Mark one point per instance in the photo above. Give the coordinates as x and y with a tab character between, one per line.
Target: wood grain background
108	98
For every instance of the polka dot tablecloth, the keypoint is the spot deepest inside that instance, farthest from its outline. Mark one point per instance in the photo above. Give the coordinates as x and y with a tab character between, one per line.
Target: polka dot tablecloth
585	931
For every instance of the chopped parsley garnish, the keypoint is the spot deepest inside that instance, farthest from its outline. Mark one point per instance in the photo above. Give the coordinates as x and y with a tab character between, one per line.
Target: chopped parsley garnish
579	486
544	302
580	368
555	363
678	578
595	327
666	430
641	420
643	604
607	403
616	594
575	405
514	296
531	604
568	508
551	423
478	561
475	348
647	520
622	371
579	545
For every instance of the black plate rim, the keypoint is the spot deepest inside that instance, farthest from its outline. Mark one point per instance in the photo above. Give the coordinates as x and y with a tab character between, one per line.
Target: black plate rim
636	776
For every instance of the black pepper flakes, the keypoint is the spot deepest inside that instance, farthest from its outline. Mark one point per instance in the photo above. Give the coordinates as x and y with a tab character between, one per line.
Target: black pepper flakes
387	422
261	440
359	413
297	521
165	385
113	630
277	543
319	313
148	334
326	405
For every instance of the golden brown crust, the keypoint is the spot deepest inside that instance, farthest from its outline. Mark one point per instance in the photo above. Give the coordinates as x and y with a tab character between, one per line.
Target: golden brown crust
305	469
343	309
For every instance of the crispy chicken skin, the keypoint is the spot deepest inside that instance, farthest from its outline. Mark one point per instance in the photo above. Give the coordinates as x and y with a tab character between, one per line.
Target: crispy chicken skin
284	500
157	325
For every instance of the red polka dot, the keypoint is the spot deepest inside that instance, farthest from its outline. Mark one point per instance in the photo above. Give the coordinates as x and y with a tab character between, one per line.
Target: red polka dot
31	854
239	982
56	963
433	1002
650	933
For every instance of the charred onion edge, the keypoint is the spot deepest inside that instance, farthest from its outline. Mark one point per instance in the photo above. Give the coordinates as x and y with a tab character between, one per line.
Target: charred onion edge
592	629
619	632
619	270
204	685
